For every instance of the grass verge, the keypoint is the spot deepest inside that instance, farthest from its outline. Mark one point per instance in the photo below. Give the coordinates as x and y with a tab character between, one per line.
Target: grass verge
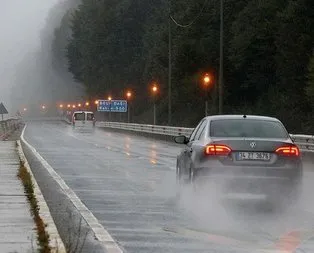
42	235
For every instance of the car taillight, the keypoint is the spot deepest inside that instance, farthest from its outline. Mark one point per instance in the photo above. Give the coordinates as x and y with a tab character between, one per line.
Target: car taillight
217	149
288	151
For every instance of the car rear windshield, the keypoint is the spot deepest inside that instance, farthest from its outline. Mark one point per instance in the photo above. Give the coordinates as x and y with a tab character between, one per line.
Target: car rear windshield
79	116
247	128
90	116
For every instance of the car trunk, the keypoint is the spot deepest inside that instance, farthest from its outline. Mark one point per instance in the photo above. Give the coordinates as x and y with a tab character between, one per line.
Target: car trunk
252	151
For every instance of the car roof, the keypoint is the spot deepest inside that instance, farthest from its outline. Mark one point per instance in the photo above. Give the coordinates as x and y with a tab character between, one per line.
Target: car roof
82	112
238	116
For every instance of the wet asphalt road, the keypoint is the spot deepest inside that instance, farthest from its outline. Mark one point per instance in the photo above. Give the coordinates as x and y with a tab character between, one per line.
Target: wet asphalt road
128	182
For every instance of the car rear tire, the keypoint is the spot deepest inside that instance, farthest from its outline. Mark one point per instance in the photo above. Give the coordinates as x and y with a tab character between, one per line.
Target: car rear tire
182	180
196	181
178	181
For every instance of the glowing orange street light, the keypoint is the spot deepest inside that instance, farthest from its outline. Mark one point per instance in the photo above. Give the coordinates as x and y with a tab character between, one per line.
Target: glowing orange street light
43	107
25	109
73	106
79	105
96	102
61	106
207	79
69	105
109	98
155	88
129	94
87	104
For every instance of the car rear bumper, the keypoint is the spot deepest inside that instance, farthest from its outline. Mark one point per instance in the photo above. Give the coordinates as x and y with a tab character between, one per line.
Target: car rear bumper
257	180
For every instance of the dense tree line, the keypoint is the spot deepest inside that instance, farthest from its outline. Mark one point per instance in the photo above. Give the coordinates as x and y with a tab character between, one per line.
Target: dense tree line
268	55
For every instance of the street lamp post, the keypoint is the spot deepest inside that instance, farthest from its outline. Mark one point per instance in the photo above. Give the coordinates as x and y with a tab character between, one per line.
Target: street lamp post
129	95
154	89
221	57
68	110
96	103
110	98
169	66
61	112
207	80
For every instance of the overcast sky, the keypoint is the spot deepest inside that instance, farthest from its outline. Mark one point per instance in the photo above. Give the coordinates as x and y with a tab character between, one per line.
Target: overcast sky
20	24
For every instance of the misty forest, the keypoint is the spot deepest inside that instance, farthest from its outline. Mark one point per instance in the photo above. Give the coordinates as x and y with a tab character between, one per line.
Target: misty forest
111	46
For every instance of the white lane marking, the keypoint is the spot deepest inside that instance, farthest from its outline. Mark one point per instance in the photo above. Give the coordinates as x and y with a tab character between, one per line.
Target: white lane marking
271	251
100	232
245	196
55	241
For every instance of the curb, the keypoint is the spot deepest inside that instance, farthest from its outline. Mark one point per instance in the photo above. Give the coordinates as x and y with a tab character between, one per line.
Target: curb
55	241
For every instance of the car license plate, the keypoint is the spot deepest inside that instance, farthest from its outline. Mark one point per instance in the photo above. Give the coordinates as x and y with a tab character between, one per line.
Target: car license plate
253	156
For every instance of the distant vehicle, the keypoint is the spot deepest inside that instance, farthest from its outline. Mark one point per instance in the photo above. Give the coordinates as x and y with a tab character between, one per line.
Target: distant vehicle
248	156
83	120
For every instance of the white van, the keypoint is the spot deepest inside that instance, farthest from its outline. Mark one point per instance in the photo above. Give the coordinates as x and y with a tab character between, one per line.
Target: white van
83	120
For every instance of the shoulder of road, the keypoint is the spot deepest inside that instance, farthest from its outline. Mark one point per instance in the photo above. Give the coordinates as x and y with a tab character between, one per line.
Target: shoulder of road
17	226
25	219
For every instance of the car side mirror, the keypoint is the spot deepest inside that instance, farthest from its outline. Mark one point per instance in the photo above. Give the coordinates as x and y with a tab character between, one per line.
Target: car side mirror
181	139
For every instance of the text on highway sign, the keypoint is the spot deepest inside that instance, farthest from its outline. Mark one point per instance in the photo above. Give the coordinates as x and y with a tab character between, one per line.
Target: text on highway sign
112	106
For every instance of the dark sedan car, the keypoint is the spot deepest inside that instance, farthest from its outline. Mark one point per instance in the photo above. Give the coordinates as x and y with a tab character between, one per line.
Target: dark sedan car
245	155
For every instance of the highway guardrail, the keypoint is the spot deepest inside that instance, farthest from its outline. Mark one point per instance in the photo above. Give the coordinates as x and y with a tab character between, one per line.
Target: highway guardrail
8	126
153	129
304	142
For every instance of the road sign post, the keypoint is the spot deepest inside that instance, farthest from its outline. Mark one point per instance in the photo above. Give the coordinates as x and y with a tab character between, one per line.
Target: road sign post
3	110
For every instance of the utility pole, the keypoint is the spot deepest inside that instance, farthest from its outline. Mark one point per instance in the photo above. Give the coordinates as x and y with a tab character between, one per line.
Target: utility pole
221	82
129	108
215	97
155	90
169	66
154	112
207	81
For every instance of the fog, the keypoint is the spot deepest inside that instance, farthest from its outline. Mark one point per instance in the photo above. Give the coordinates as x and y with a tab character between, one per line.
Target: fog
27	76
